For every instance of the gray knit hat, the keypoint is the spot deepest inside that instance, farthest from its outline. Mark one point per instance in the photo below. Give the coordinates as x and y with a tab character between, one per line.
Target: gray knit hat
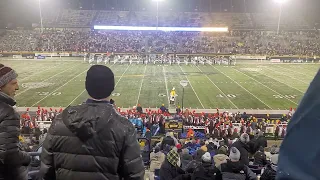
6	75
206	157
234	154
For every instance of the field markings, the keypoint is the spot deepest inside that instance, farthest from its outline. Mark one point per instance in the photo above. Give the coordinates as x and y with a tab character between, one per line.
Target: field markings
145	69
242	87
27	89
264	85
166	82
114	86
281	82
219	89
303	74
192	88
39	72
287	75
59	87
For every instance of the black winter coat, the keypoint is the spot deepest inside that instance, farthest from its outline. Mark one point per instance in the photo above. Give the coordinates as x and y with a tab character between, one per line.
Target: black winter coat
206	171
269	173
170	172
236	170
12	159
260	159
91	141
243	148
260	142
167	141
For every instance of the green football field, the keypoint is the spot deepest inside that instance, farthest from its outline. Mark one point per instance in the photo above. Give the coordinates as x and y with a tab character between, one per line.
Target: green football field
245	86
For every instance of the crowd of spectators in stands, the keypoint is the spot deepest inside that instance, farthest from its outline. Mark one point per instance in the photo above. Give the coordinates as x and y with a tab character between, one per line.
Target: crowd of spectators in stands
236	42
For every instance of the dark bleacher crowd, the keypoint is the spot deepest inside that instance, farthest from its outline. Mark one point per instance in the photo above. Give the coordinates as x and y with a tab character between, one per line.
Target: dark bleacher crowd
235	42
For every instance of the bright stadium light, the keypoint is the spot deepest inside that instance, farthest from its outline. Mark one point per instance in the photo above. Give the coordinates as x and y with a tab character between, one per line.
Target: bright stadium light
280	2
40	12
157	1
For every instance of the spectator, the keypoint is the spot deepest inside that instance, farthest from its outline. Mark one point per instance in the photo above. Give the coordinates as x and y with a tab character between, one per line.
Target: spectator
223	149
12	157
186	158
156	159
92	141
242	146
219	159
206	171
168	140
271	170
170	168
195	162
178	110
235	169
260	141
163	108
139	109
260	158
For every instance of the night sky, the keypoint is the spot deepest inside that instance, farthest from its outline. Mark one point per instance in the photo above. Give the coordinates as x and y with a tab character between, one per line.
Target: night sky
25	12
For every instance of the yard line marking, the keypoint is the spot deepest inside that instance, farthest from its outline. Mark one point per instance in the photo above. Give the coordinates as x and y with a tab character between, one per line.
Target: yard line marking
287	75
264	85
303	74
38	73
282	82
27	89
192	87
219	89
59	87
145	69
165	80
242	87
85	89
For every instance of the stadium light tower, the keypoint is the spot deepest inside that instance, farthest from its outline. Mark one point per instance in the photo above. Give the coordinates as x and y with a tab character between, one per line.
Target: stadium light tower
157	1
40	12
280	2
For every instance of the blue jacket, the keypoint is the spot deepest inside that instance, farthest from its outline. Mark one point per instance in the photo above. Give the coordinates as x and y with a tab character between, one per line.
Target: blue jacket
295	161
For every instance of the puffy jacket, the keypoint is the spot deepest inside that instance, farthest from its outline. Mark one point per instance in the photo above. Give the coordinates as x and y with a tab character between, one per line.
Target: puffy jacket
156	160
12	159
269	173
91	141
169	172
206	171
260	159
236	171
243	148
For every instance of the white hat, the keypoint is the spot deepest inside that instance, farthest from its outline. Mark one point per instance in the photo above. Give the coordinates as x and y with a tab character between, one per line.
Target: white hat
206	157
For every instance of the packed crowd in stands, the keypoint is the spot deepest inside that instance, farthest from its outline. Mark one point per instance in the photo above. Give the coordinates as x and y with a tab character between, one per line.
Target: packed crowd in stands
240	42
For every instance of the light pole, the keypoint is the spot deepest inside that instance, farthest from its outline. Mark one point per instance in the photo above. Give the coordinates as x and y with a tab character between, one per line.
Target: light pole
157	1
280	2
40	11
183	83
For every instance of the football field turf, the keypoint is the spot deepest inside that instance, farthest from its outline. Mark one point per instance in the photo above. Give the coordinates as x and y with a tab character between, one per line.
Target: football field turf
244	86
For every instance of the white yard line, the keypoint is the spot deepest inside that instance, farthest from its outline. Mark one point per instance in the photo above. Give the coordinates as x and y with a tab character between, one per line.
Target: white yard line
165	80
242	87
264	85
287	75
59	88
303	74
144	74
192	88
282	82
219	89
27	89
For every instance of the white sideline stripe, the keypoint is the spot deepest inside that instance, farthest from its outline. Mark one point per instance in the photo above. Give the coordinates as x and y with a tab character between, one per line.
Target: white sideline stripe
287	75
85	90
192	88
38	73
44	81
242	87
144	74
165	80
219	89
59	87
264	85
282	82
295	71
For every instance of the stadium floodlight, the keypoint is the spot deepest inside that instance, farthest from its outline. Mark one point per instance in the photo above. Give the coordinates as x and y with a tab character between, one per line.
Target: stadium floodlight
281	2
157	1
40	13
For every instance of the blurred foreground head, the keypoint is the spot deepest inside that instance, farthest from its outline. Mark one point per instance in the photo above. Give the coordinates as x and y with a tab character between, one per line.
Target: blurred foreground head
99	82
8	81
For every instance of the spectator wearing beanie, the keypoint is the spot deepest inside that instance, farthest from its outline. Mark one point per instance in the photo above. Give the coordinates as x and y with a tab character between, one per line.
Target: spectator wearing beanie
260	158
13	159
92	141
235	169
168	140
170	168
206	171
242	146
195	162
271	170
186	158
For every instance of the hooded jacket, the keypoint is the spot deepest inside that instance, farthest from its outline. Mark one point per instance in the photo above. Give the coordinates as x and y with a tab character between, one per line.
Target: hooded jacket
236	170
12	158
206	171
91	141
269	173
303	126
